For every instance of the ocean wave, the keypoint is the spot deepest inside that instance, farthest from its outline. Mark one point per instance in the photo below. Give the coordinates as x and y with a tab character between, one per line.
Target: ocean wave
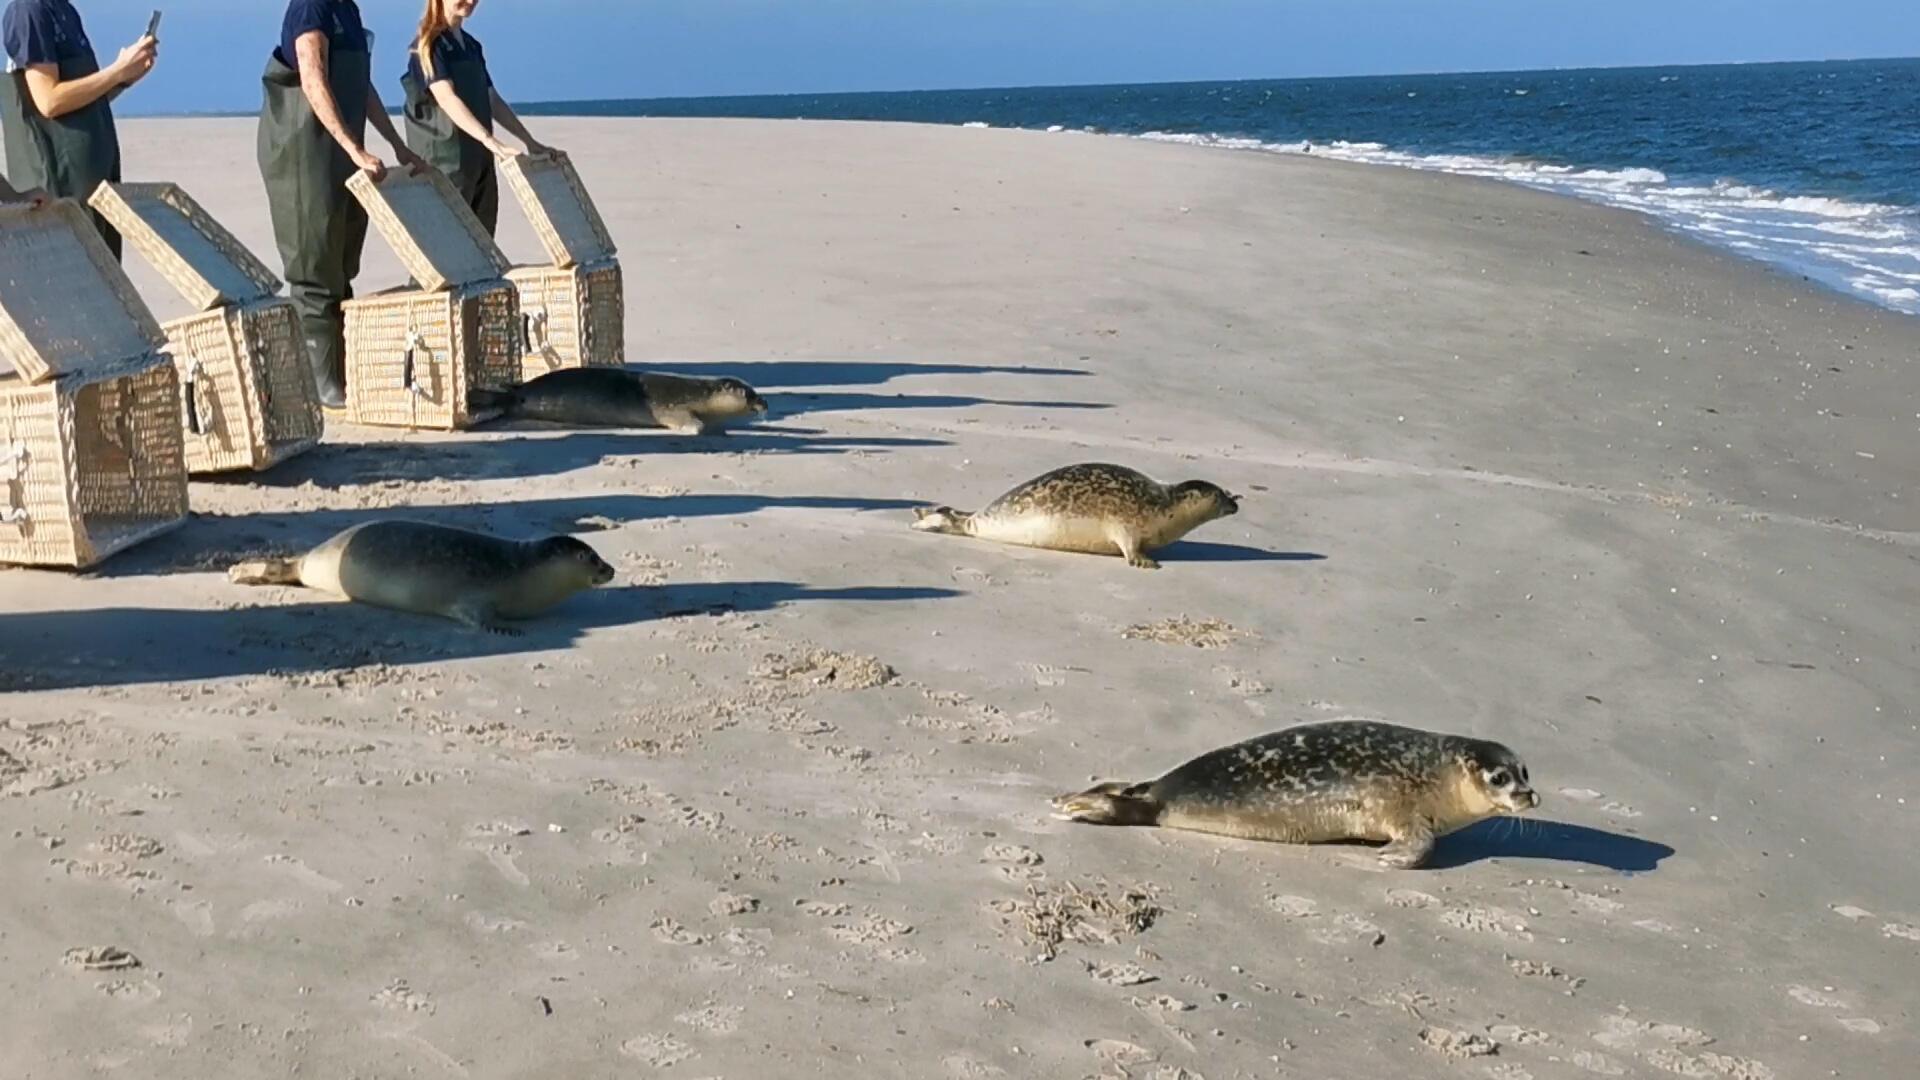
1867	249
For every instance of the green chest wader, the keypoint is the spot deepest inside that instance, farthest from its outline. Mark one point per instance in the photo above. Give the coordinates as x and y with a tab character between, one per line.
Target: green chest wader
318	225
432	134
68	156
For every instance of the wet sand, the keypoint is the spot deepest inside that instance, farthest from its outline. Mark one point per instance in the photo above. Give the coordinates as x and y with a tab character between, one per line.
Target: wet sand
774	803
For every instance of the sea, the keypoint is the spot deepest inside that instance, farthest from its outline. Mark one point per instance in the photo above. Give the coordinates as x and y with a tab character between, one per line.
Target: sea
1811	167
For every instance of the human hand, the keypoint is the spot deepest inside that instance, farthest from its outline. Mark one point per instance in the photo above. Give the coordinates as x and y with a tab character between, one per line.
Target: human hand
542	150
414	162
136	60
503	151
369	163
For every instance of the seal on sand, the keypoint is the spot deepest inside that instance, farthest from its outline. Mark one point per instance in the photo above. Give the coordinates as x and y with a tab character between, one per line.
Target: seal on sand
1325	782
469	577
616	397
1095	509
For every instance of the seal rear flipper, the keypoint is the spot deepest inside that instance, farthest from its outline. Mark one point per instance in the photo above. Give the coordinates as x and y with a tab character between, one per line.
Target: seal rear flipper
940	519
265	572
1112	803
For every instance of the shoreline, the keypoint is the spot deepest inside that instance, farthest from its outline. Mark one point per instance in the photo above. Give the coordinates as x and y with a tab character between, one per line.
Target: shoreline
1605	185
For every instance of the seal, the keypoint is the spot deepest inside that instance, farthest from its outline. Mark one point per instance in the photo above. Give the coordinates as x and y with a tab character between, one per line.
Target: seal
469	577
1094	509
1323	783
616	397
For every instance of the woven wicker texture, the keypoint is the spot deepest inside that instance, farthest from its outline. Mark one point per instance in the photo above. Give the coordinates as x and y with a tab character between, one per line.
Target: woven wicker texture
563	215
89	465
197	256
413	355
66	307
570	318
247	399
431	229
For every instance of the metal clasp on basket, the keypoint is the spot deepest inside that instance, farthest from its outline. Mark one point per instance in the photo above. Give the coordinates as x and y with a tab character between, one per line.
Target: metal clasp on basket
414	343
191	391
533	328
13	460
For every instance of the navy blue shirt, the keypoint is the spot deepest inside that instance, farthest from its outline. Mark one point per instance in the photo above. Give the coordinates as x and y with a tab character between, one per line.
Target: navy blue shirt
338	19
43	32
452	47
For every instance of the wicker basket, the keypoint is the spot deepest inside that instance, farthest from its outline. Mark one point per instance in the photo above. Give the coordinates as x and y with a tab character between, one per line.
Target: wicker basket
91	459
574	309
414	354
247	397
574	317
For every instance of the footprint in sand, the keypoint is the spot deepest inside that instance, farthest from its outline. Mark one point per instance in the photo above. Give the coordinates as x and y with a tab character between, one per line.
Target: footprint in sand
729	904
1597	1063
1819	999
1118	1052
198	916
965	1068
713	1019
304	874
1903	931
493	924
502	857
659	1051
400	997
1123	974
670	931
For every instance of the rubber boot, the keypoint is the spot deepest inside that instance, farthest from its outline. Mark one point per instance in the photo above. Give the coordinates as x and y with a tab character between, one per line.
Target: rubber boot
328	361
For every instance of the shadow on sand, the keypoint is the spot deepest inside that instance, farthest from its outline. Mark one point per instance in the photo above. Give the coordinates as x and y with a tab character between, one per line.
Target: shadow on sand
133	646
545	450
762	374
1200	551
1537	838
800	403
212	542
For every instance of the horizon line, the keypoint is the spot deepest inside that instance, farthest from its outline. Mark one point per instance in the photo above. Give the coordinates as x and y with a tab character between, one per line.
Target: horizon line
561	102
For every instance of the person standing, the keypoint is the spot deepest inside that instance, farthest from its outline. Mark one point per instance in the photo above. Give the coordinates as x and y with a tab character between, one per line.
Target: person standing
319	99
56	103
452	107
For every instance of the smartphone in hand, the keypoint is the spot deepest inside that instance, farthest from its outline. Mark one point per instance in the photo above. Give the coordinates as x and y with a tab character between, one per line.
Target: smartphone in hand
153	26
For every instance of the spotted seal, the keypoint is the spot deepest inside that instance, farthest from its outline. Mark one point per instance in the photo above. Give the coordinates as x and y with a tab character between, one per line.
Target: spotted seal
469	577
616	397
1095	509
1325	782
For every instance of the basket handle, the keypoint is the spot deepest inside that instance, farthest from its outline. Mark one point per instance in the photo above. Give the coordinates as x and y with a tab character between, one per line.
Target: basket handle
123	426
415	343
13	456
533	331
197	414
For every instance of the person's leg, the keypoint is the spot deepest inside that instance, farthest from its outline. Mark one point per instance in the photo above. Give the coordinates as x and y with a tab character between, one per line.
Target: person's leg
318	281
485	199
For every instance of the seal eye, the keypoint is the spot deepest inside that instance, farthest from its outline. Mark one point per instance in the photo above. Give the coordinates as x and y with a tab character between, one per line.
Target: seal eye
1499	777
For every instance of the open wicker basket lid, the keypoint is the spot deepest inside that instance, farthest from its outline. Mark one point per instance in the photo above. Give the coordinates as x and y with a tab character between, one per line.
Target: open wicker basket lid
438	238
66	306
196	254
562	214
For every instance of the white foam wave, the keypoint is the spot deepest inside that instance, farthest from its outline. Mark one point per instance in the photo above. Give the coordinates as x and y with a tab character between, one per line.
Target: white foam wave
1868	249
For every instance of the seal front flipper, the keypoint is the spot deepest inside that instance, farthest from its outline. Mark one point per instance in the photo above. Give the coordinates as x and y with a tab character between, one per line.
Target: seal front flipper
1111	803
1410	846
681	421
265	572
1130	550
481	615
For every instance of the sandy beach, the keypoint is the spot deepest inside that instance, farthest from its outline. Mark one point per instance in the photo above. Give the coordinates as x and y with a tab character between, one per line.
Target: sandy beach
774	803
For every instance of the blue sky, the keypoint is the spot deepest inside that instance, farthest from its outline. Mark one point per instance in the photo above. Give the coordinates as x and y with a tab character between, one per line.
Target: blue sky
213	50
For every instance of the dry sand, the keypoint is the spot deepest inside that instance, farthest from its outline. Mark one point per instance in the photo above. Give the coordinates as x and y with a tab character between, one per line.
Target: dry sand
774	804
